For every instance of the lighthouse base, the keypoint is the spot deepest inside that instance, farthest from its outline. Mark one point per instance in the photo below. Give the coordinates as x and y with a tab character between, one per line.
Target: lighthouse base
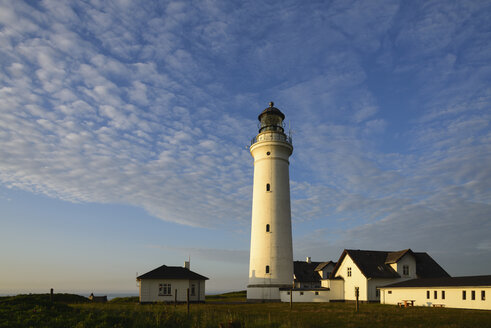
264	293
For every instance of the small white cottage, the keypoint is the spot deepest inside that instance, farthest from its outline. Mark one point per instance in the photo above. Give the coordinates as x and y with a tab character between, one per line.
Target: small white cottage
170	284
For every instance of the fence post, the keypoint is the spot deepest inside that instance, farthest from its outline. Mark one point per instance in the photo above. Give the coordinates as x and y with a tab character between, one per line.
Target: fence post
175	298
357	294
188	299
51	295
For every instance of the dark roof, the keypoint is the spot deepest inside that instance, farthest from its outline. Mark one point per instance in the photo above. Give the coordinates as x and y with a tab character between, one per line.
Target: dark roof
171	272
393	257
271	110
469	281
376	264
305	271
426	267
322	265
371	263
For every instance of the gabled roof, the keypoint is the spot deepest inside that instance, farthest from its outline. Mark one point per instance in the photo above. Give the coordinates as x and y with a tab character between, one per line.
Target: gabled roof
426	267
371	263
305	271
171	272
322	265
469	281
376	264
394	257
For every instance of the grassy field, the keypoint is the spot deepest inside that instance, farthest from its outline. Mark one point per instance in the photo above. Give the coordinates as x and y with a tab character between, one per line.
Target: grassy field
222	310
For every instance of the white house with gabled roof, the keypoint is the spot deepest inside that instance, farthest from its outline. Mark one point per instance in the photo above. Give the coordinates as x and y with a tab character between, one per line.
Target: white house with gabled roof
369	270
170	284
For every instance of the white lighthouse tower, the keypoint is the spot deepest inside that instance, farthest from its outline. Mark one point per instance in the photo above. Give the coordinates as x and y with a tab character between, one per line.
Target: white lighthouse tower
271	258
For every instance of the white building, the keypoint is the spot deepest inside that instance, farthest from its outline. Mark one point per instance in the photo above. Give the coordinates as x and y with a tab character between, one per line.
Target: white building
271	256
367	271
473	292
170	284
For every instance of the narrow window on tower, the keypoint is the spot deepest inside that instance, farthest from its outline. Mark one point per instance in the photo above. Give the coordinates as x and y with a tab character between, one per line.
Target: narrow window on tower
267	227
267	268
268	187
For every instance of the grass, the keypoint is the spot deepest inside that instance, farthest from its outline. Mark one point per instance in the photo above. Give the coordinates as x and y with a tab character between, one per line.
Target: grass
76	311
227	297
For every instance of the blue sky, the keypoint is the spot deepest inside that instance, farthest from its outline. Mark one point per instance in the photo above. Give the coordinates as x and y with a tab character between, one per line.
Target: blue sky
124	128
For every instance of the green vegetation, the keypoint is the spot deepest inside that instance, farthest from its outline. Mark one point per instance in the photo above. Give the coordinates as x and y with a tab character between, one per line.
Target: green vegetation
227	297
76	311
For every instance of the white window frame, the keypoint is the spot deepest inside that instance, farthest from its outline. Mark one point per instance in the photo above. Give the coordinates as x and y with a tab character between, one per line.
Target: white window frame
165	289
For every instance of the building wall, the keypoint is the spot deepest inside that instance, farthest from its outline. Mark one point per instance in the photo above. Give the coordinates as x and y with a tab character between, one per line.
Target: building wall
149	290
326	271
336	288
306	296
357	279
453	296
273	248
409	260
373	284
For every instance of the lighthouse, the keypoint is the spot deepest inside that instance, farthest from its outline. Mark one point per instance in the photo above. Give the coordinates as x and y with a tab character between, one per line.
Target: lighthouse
271	257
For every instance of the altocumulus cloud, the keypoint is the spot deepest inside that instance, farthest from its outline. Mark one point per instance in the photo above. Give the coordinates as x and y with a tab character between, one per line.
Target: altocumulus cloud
151	104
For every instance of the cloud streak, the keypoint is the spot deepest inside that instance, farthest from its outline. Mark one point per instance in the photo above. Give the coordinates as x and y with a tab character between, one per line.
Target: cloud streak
152	105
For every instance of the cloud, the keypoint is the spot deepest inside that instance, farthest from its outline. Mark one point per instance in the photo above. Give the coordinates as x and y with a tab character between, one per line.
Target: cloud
153	105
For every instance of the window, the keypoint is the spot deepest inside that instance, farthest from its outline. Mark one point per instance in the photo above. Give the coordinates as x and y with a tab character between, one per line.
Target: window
405	270
165	289
301	293
268	187
349	272
267	227
463	295
268	153
428	294
377	292
483	295
287	293
193	290
389	292
316	293
443	294
435	294
267	268
473	295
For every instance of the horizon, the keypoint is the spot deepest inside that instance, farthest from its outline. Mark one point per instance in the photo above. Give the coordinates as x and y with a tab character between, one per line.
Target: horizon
125	127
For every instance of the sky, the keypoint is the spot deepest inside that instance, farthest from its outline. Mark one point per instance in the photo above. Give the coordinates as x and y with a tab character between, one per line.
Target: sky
125	127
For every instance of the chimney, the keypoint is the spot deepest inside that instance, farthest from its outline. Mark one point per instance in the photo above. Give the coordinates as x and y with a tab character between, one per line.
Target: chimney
308	260
187	264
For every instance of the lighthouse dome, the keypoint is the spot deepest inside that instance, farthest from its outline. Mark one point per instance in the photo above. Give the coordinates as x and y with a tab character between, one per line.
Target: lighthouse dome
271	119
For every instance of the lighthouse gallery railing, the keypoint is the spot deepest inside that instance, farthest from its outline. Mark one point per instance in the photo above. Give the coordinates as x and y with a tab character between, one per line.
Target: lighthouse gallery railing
271	137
